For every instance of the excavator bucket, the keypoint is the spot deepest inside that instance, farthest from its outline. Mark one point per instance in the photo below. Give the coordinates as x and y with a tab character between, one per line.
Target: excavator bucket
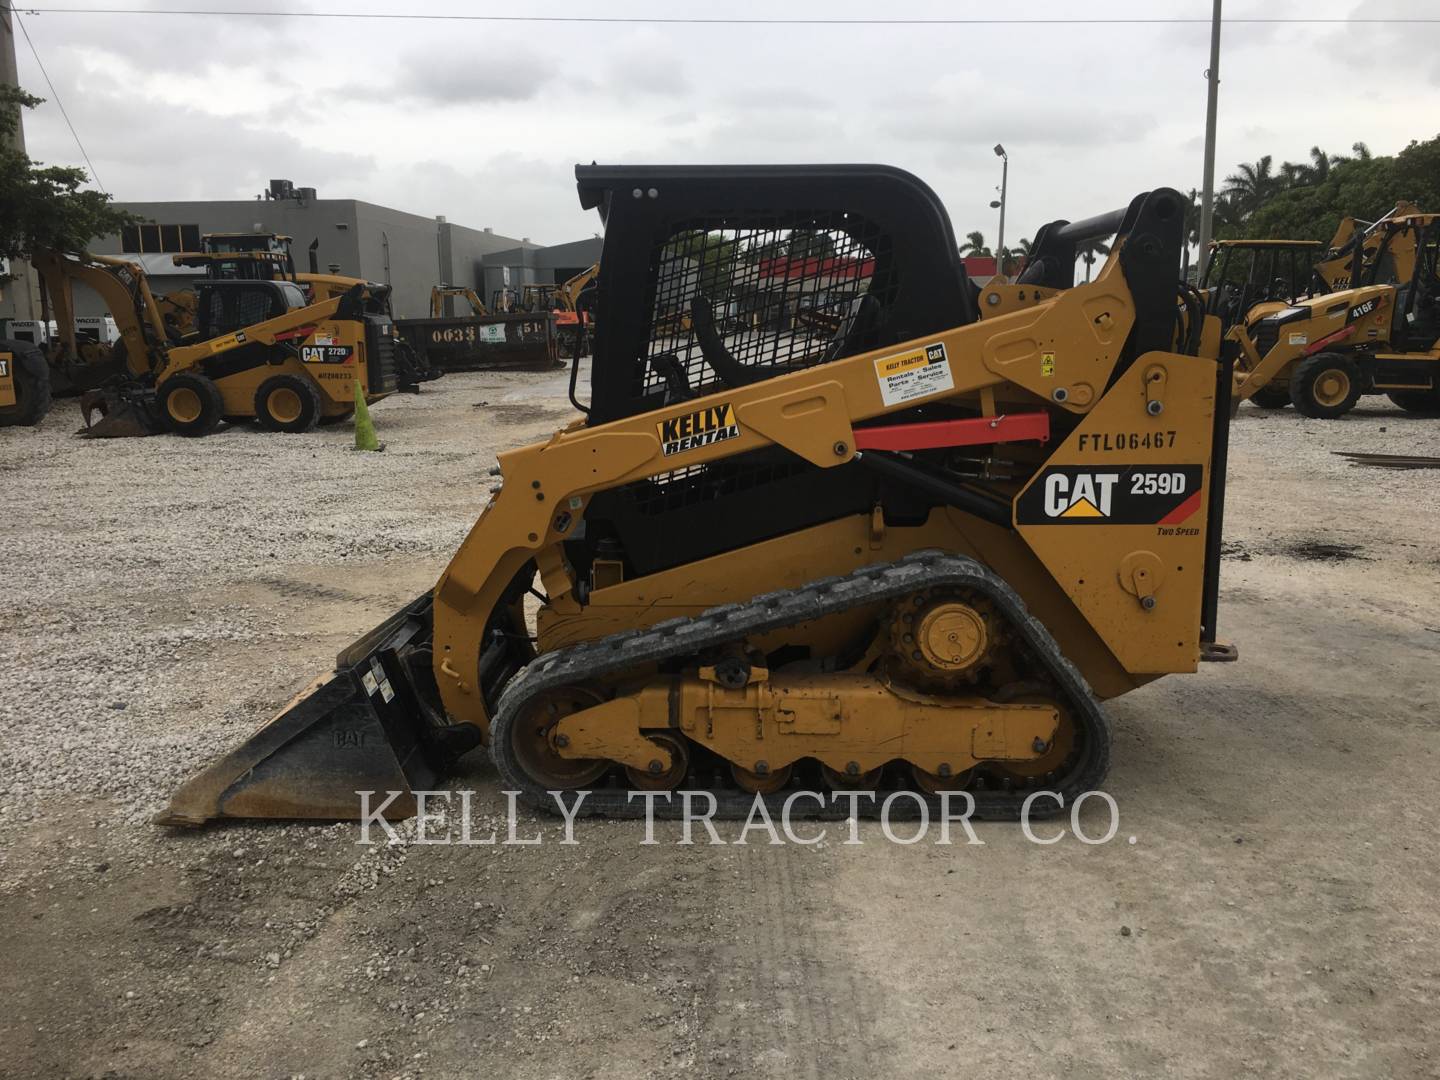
111	415
361	729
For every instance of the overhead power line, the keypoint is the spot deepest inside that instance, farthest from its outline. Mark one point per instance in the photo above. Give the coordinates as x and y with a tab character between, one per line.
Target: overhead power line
700	20
55	95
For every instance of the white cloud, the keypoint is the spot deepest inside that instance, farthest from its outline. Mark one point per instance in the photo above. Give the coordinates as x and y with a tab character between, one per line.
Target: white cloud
483	122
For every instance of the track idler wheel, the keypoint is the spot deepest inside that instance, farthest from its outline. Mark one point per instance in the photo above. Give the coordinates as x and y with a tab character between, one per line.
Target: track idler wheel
537	746
657	777
1053	757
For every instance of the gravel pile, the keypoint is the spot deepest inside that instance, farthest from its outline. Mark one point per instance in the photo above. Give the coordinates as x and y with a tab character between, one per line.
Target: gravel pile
164	594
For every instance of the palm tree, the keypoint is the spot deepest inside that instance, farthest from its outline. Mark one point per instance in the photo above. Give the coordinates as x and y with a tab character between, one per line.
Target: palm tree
1089	251
1251	185
1361	151
1320	162
974	245
1009	254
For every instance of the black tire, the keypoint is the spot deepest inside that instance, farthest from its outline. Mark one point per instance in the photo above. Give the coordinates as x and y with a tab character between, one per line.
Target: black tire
1326	385
31	377
1271	397
190	404
288	403
1424	402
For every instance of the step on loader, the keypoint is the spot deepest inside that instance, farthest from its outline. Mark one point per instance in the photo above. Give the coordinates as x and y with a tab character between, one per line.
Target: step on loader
841	535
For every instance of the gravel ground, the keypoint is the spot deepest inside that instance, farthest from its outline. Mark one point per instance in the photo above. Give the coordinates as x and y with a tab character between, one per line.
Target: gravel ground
1274	916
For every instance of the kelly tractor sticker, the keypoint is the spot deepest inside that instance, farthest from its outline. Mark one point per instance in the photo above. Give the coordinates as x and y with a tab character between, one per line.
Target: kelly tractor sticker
692	430
915	374
1116	495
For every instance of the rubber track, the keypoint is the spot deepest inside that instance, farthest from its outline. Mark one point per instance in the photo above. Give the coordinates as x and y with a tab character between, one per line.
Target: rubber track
685	637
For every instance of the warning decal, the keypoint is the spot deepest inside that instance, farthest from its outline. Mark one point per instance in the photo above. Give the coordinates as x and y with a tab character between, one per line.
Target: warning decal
915	374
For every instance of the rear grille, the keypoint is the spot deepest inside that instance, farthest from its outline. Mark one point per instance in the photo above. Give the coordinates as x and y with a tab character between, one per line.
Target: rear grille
704	483
380	353
1267	334
786	291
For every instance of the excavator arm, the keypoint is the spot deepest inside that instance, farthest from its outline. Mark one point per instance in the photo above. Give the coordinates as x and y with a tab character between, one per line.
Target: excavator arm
125	289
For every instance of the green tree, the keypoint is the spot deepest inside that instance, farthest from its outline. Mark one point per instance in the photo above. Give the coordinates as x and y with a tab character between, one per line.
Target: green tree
1011	257
1365	185
1251	185
44	206
974	245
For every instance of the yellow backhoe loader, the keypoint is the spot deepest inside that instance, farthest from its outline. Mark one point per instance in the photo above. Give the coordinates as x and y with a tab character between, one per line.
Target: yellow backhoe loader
908	552
1336	267
1325	352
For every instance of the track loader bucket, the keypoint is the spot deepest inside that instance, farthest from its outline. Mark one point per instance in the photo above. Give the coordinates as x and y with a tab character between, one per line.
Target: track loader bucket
114	415
364	728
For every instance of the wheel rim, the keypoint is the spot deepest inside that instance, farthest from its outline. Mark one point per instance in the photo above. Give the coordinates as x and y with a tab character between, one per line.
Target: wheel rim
533	739
284	405
1332	387
184	405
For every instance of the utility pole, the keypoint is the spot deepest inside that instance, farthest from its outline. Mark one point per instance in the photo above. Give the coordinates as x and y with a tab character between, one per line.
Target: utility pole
1207	193
17	296
10	70
1004	185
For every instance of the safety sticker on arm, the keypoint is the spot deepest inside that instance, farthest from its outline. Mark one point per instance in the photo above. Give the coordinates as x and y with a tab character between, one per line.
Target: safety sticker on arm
919	373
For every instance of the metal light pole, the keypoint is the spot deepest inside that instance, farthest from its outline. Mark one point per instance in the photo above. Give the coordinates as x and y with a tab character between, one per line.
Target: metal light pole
1207	192
1004	182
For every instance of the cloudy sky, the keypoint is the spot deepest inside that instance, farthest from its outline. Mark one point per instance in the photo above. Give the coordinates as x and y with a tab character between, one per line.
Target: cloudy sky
483	122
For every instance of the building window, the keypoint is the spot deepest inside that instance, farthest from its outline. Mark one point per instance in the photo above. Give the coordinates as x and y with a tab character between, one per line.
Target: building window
159	239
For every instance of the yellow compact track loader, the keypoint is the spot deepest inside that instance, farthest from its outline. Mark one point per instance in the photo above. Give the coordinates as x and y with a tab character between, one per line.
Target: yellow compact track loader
1325	352
906	548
